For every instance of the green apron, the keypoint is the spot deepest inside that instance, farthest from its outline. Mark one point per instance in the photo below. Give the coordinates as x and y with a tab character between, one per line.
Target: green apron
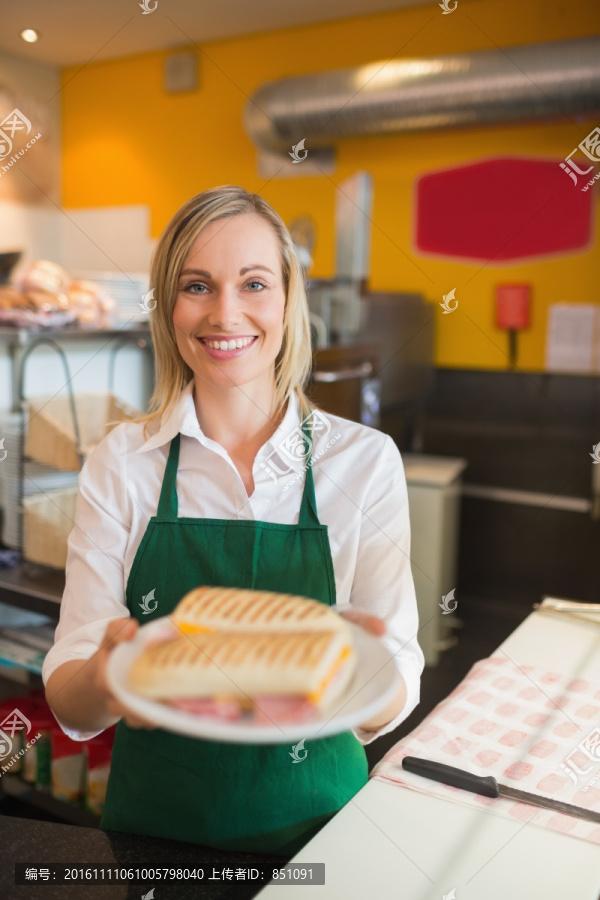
228	796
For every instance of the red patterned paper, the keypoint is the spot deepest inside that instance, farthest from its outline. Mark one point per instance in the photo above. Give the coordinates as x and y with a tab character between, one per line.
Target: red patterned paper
518	723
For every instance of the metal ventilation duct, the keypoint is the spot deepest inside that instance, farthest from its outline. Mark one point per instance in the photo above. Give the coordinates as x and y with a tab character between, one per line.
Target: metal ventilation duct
529	82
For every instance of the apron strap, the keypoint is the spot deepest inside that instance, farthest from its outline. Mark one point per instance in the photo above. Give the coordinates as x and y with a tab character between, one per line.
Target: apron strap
167	505
308	508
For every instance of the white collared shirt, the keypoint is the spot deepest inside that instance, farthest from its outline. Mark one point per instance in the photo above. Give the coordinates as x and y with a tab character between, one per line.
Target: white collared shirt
361	496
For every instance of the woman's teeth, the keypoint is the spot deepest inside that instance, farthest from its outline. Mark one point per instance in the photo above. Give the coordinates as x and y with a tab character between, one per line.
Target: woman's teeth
229	345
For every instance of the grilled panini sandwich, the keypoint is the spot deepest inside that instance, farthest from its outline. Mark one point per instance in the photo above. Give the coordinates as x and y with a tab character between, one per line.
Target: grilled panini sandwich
281	658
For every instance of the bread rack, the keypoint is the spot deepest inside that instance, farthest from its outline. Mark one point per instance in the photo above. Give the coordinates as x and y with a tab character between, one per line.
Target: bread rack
60	441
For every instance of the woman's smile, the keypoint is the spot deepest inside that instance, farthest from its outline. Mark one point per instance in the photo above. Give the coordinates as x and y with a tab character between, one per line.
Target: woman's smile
227	346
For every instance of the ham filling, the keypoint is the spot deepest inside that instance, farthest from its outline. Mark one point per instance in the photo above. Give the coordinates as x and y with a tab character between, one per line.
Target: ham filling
228	710
269	709
272	709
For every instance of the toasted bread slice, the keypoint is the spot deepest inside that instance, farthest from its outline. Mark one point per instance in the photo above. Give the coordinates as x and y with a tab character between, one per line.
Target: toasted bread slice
245	665
210	609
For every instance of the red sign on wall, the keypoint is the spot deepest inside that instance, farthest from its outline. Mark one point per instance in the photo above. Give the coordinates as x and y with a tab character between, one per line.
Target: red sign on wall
502	209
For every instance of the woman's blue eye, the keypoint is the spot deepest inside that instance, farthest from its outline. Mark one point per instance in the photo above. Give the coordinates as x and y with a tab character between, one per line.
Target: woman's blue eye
198	287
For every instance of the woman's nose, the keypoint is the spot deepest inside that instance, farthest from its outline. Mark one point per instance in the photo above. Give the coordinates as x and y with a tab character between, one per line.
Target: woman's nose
225	309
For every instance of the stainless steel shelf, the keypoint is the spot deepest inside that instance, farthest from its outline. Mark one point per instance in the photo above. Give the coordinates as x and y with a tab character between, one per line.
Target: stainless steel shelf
36	588
23	336
18	342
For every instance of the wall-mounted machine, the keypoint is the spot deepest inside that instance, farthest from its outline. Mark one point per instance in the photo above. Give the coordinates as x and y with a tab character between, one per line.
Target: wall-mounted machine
373	350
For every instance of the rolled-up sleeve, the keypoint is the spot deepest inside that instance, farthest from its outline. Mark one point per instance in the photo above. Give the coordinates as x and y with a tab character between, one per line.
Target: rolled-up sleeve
383	583
94	591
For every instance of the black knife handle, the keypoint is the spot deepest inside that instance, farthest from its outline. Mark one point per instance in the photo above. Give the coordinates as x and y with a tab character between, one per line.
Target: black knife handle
486	786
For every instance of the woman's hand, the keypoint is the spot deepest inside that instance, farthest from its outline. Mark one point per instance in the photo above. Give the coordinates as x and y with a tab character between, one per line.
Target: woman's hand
370	623
377	626
117	632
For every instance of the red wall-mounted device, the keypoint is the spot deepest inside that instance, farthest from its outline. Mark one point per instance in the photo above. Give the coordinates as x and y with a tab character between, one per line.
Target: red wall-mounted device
513	312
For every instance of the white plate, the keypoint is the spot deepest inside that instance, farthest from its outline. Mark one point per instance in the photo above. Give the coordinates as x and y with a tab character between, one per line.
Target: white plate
374	684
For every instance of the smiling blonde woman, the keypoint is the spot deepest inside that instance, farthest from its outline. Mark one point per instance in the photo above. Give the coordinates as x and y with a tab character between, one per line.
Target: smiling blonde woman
209	489
293	363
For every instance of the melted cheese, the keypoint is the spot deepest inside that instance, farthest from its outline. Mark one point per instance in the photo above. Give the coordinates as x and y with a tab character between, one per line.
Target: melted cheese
316	695
189	628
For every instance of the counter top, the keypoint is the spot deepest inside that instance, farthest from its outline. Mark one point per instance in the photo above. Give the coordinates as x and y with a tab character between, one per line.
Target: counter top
390	841
41	843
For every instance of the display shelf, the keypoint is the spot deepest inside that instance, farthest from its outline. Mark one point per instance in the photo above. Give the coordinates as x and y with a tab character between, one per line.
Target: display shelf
36	588
24	335
18	340
13	786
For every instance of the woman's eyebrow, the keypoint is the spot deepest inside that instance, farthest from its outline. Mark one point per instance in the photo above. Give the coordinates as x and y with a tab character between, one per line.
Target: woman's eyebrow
242	271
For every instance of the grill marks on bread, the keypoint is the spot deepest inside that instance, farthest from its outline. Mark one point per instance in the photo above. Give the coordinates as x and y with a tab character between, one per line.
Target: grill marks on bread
230	649
234	609
239	663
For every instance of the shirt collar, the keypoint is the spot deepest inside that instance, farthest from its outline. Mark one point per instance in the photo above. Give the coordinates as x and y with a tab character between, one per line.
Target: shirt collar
184	420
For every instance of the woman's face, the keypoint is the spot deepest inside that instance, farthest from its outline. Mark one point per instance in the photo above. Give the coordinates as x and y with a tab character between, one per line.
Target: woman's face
228	314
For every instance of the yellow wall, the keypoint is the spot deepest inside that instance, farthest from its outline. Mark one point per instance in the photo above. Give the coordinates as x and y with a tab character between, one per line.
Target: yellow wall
126	141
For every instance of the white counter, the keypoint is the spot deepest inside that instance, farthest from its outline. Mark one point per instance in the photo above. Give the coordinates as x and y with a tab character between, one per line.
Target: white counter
391	842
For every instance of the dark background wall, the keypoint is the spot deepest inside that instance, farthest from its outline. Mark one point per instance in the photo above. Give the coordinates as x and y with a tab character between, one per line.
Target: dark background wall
529	432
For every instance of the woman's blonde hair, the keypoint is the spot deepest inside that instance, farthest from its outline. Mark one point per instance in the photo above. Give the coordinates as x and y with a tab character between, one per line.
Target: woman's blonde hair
293	363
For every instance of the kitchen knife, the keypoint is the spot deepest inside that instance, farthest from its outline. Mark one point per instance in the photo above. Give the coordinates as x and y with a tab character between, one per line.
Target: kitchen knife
487	786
